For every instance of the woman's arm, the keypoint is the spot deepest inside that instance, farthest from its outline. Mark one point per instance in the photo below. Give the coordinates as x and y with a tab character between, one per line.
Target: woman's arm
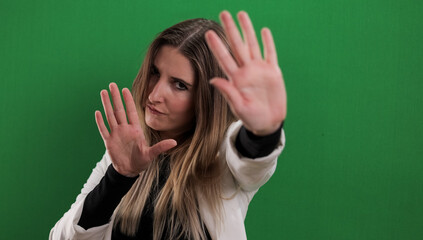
255	91
67	227
252	146
101	202
128	153
249	173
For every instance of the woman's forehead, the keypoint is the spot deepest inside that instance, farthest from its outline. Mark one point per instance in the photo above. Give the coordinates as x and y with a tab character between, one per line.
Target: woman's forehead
171	62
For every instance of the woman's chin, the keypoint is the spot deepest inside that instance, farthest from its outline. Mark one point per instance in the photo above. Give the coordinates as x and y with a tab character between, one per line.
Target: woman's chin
153	125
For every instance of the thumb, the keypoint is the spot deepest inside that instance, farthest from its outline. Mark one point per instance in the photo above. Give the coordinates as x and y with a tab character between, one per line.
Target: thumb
161	147
229	91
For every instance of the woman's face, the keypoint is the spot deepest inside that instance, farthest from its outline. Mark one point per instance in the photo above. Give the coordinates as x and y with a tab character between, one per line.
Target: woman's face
169	108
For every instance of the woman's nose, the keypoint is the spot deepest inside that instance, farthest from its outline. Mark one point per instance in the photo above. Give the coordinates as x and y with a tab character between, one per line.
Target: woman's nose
157	91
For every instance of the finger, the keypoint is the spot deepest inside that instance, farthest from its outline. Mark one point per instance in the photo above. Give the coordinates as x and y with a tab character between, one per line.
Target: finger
249	35
117	104
131	109
101	127
269	47
108	110
161	147
229	92
221	53
235	40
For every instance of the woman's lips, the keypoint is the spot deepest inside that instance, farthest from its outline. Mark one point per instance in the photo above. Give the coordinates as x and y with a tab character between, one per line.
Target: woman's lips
153	110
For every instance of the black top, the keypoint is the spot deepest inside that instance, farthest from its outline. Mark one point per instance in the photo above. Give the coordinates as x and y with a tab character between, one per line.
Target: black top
105	197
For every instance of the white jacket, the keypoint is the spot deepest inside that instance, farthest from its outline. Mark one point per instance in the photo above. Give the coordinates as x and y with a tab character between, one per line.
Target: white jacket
241	179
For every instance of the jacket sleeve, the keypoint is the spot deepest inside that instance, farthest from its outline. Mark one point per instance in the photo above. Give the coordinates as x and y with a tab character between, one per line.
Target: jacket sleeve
250	174
67	227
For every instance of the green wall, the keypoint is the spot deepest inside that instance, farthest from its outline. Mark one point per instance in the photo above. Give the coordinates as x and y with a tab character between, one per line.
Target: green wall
352	167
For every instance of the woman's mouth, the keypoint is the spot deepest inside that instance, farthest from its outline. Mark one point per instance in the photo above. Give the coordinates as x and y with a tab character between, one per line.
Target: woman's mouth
154	111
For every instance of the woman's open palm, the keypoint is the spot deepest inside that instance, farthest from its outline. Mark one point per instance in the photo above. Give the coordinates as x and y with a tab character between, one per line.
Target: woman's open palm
255	88
125	142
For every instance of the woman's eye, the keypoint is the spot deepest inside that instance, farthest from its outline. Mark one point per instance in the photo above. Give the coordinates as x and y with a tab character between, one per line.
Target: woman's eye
180	86
154	72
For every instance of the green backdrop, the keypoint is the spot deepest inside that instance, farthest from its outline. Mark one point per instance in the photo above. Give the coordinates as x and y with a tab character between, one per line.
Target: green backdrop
352	167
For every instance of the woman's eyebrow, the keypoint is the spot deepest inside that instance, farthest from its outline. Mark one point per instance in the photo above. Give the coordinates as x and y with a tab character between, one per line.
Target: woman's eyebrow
174	78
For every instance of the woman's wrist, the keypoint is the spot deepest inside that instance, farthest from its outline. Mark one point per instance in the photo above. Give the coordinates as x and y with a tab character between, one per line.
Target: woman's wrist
268	131
125	173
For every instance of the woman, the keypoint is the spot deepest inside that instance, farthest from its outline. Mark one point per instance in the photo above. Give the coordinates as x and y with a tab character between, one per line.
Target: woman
178	164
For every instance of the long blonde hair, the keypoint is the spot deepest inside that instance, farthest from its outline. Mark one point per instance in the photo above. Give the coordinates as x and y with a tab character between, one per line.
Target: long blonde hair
194	162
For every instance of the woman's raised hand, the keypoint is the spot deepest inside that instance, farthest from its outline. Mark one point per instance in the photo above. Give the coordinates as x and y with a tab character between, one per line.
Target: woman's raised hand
125	142
255	89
